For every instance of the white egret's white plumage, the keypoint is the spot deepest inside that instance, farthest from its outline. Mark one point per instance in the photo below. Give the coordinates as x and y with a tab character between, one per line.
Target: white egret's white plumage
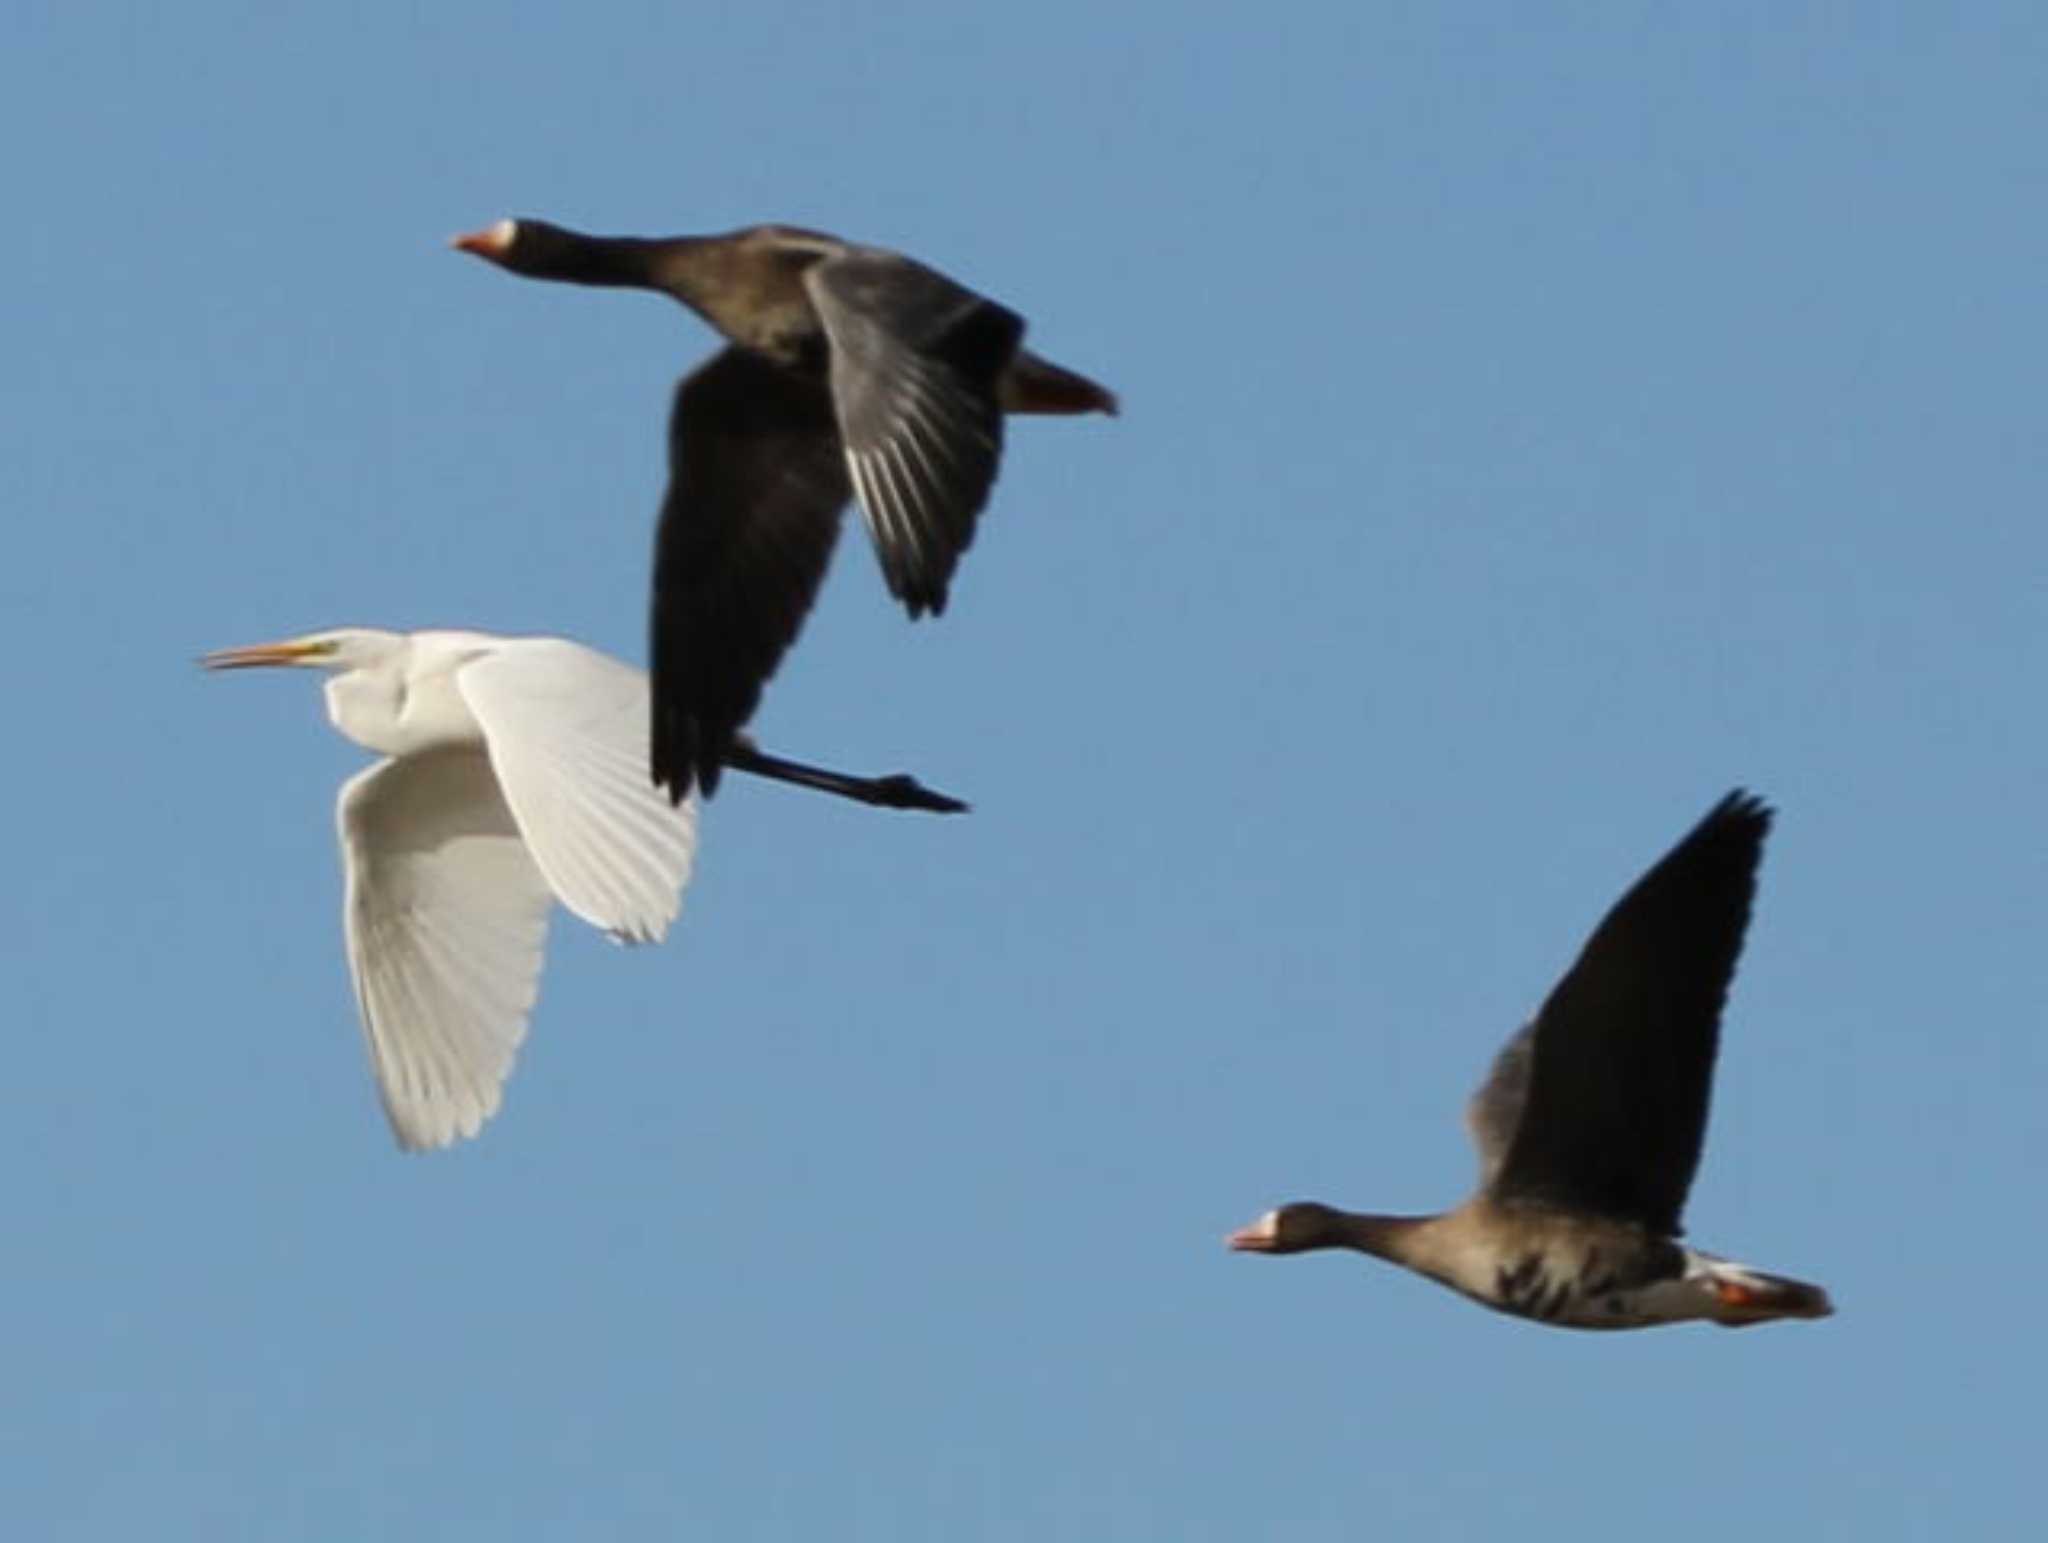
515	773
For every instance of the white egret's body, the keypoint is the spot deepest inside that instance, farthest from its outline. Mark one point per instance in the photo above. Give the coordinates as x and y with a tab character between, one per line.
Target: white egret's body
515	773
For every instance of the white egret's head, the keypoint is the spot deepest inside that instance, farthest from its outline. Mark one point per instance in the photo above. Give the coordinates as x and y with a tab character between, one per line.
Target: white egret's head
366	677
345	648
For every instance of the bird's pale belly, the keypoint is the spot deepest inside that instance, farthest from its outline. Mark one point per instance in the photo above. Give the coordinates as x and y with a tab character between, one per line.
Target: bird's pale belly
1594	1295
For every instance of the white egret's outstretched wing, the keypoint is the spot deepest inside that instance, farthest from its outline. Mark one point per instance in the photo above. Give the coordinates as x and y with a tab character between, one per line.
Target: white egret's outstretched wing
567	731
446	917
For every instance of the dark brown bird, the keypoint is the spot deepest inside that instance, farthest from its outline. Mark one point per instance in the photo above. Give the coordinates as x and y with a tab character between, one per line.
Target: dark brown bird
851	372
1590	1124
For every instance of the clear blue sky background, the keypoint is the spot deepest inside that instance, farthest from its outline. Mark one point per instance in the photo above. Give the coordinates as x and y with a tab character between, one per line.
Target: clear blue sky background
1539	419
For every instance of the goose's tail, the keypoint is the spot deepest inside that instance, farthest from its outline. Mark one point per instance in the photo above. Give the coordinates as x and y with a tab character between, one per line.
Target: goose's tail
1035	385
1743	1296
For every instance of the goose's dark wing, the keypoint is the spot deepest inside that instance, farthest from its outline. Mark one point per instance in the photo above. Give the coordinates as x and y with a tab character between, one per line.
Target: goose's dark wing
916	366
1623	1063
756	483
1495	1108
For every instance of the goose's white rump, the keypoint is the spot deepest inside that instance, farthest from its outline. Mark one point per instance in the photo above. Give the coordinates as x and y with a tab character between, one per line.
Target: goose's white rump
515	774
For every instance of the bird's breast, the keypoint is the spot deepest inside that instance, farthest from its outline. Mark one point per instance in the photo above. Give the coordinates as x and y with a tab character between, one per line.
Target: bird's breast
1597	1283
434	715
403	718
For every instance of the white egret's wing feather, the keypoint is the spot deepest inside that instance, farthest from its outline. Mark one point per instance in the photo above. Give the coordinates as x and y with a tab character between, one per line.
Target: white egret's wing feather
446	918
566	728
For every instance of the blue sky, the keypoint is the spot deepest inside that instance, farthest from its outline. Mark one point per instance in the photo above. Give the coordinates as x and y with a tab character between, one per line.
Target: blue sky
1539	419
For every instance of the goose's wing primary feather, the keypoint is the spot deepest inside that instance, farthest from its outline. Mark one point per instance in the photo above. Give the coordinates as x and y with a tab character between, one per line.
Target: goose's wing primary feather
916	366
756	485
1623	1059
1495	1108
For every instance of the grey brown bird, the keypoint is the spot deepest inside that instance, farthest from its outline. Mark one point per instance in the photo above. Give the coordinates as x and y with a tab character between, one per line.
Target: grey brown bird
1589	1126
851	372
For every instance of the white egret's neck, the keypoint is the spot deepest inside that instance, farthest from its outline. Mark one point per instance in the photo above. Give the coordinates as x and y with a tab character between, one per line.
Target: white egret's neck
390	692
366	677
401	697
367	703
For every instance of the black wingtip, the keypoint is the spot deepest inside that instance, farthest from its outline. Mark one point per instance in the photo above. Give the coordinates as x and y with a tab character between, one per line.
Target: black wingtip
1739	806
919	598
918	583
678	772
677	786
1732	832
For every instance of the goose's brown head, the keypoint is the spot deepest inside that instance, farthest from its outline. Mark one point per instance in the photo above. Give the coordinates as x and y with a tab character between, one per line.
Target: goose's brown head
530	247
1292	1229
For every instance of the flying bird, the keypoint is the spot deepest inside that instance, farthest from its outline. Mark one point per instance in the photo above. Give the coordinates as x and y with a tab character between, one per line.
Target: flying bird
1590	1124
514	774
851	372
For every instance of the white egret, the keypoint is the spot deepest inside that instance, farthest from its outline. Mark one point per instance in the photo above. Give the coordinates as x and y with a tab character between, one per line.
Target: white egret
514	773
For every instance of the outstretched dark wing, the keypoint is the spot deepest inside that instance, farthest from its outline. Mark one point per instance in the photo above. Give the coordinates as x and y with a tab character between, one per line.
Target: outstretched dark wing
1623	1064
1495	1108
756	483
916	363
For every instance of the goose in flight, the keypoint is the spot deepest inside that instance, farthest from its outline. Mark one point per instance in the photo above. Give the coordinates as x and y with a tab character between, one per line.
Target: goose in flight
851	372
514	775
1590	1124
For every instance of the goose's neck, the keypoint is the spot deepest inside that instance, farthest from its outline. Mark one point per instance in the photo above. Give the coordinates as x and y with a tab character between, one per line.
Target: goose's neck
1402	1239
616	262
1454	1247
